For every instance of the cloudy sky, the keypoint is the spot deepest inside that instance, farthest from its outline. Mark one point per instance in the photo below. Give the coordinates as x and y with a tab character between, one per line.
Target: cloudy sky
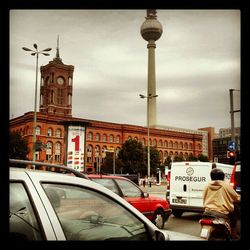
197	62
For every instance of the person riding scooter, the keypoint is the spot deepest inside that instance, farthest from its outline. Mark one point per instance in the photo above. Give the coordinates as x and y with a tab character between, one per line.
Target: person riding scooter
220	198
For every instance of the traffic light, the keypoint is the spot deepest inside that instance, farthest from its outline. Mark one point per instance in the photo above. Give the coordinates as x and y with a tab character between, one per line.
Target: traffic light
231	155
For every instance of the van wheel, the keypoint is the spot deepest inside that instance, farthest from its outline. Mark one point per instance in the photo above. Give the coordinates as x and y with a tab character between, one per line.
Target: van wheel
177	213
158	218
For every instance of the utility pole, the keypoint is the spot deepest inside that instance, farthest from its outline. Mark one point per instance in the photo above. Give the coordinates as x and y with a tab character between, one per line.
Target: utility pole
232	111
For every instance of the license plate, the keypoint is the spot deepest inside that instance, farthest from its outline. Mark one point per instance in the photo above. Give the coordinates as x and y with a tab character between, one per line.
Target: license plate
179	201
204	232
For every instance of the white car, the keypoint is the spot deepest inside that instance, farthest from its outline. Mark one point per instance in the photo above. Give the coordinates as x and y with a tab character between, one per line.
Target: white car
47	205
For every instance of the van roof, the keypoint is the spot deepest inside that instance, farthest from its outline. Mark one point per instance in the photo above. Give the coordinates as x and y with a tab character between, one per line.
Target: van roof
198	163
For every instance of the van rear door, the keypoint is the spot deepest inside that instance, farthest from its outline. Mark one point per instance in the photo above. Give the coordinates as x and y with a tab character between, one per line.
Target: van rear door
178	185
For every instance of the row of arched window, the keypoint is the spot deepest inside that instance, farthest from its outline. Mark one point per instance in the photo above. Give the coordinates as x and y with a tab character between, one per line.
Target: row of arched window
104	137
98	153
50	132
53	152
154	142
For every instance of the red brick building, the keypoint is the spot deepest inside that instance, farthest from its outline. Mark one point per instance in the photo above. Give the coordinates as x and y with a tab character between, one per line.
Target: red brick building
55	113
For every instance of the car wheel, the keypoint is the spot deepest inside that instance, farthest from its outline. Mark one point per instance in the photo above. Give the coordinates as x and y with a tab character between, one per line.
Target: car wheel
158	218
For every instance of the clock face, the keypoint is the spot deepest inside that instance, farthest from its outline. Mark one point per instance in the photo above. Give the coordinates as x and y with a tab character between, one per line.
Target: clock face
60	80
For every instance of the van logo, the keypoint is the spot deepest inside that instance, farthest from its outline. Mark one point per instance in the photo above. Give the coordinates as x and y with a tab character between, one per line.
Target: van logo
189	171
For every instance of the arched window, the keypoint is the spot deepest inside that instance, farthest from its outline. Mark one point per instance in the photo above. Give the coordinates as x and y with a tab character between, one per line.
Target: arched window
41	98
38	130
190	146
58	151
165	155
104	148
89	153
118	138
58	132
49	150
160	143
42	81
170	144
111	138
90	136
69	99
165	144
70	81
155	142
97	137
97	150
181	145
49	132
104	137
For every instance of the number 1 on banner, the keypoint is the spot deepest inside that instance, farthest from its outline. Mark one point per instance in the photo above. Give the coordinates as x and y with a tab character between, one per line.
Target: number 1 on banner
76	141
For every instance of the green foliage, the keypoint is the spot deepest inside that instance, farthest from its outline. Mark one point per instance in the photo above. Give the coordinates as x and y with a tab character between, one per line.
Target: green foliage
192	158
155	160
18	146
132	155
203	158
132	159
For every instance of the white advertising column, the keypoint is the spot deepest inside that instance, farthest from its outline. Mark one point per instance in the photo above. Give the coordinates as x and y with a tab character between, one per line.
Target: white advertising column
76	147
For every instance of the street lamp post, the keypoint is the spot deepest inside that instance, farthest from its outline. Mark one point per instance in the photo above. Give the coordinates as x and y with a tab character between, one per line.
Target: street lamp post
232	111
36	53
148	97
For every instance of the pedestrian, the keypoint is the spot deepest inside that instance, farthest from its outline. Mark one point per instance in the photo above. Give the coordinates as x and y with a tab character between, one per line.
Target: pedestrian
149	181
213	165
144	182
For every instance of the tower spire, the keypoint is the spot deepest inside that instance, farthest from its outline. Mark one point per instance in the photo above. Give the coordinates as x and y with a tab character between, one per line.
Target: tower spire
57	58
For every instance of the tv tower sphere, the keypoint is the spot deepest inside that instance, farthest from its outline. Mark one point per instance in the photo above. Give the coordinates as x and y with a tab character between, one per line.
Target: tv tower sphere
151	29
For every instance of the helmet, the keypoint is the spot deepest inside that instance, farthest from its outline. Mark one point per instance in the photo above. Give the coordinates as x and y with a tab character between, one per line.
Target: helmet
217	174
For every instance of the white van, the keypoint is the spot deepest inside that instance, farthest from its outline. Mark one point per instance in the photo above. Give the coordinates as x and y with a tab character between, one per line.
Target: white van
187	182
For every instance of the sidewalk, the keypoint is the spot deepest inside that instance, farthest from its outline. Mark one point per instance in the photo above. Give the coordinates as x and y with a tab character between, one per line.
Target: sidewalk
161	189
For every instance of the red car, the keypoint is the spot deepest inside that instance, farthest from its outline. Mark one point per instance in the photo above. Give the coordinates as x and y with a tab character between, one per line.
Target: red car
154	208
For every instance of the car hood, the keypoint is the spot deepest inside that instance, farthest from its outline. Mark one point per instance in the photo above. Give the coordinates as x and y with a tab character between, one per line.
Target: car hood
173	235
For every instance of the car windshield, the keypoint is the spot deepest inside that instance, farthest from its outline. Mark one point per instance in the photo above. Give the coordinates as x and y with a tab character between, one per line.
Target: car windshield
87	215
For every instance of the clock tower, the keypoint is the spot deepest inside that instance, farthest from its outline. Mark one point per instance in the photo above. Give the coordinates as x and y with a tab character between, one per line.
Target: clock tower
56	87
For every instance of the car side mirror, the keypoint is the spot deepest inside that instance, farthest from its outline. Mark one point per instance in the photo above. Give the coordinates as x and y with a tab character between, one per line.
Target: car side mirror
145	195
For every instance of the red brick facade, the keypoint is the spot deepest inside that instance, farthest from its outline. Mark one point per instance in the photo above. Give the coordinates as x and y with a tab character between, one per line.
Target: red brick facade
100	136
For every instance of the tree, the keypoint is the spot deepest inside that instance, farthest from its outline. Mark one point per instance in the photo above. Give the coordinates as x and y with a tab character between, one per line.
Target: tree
18	146
155	160
203	158
132	155
192	158
168	161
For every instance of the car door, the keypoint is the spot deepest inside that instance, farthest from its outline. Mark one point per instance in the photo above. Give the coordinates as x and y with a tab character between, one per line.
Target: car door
28	217
134	195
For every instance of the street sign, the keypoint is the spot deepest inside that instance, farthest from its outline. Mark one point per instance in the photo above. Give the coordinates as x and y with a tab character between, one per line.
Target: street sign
232	146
